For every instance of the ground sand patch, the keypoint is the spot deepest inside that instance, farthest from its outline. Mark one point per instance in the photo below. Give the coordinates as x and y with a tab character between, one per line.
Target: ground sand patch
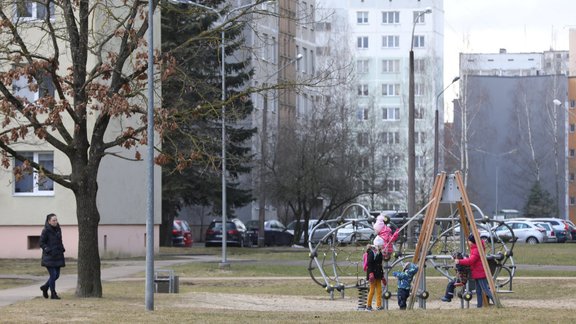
280	303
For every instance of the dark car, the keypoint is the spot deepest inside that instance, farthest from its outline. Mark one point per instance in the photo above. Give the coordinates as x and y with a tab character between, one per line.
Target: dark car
235	233
275	233
181	233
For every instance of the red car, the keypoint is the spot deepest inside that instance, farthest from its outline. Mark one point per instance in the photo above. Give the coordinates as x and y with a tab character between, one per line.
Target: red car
181	233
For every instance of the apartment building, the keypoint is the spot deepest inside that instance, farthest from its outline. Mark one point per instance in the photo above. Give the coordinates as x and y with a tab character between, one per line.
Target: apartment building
379	36
511	128
122	187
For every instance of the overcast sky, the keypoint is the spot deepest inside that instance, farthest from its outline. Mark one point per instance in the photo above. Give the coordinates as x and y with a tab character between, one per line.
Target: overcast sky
485	26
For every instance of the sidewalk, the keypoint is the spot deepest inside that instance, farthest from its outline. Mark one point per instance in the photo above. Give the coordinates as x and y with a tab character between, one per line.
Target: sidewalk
68	282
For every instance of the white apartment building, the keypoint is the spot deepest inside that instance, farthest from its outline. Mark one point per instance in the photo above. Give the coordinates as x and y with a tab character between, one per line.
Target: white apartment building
514	64
378	35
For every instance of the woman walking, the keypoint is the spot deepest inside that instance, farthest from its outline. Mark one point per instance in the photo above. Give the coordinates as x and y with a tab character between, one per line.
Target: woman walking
52	254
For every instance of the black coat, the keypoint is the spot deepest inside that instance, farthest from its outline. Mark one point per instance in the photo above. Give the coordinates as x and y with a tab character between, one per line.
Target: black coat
52	247
374	262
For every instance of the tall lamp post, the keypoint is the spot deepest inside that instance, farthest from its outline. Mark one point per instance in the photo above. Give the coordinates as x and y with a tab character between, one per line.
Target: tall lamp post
223	21
264	155
149	293
436	129
411	148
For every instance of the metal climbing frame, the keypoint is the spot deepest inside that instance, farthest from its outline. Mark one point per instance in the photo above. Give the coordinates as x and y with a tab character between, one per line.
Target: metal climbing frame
451	191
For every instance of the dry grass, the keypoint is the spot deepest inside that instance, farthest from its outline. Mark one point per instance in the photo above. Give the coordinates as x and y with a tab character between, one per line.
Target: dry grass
284	301
124	303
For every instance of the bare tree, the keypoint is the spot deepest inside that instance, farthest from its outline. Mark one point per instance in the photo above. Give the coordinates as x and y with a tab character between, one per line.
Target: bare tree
93	55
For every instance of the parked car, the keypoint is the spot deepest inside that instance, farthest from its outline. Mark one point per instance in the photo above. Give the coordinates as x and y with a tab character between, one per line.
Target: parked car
549	231
525	231
571	229
358	231
275	233
560	228
321	231
181	233
235	233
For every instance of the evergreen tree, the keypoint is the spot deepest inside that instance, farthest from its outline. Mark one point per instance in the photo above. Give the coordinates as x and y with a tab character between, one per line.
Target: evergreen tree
540	203
192	148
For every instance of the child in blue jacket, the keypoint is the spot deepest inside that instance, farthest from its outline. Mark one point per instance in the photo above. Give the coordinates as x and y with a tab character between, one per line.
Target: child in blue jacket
404	281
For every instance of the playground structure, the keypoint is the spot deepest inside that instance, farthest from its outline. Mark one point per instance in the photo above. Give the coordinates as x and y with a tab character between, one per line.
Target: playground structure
337	267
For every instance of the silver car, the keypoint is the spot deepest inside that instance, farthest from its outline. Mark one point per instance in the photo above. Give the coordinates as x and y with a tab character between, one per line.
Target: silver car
355	232
525	231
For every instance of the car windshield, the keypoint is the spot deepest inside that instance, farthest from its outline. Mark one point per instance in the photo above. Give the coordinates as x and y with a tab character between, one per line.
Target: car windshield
218	226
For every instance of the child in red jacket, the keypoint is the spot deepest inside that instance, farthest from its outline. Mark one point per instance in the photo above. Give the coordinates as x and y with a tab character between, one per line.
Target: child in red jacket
476	270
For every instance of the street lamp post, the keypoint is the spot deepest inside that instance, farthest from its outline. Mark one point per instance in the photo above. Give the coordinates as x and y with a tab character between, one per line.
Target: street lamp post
263	155
436	129
149	292
223	21
411	147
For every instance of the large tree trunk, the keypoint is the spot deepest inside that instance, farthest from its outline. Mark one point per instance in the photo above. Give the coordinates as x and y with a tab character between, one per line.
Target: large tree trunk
89	283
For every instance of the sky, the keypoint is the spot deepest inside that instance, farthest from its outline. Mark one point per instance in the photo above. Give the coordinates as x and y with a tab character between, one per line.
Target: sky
519	26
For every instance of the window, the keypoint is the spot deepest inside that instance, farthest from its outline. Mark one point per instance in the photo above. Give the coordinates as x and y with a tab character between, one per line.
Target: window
420	137
362	113
419	89
418	41
390	17
33	10
572	200
419	17
390	89
391	113
364	162
362	66
572	103
391	161
362	17
390	137
363	90
418	112
362	42
32	182
393	185
420	161
304	60
362	139
572	128
572	153
21	88
419	65
572	176
390	41
390	66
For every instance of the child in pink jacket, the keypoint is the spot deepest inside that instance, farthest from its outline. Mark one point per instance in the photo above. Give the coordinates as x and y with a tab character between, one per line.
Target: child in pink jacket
384	232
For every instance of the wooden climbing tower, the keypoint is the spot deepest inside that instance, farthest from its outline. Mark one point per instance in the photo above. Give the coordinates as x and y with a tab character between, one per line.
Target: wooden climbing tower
447	189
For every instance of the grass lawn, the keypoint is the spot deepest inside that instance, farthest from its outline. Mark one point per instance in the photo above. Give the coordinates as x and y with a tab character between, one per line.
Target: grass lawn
124	302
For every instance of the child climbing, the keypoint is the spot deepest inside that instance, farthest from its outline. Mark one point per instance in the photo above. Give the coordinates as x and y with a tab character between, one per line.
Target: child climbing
460	279
375	274
383	231
476	270
404	281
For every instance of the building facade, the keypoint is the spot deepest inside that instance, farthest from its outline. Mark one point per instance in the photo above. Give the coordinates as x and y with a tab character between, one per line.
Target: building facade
25	202
380	35
510	128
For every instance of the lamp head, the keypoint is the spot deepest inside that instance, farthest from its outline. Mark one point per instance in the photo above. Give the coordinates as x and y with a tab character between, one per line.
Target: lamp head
299	56
428	10
456	79
557	102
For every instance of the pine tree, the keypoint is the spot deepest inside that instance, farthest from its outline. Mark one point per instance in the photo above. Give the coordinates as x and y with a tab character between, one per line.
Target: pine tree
540	203
192	150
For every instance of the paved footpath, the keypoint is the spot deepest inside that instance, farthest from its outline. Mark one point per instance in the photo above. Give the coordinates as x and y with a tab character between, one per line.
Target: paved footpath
121	269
